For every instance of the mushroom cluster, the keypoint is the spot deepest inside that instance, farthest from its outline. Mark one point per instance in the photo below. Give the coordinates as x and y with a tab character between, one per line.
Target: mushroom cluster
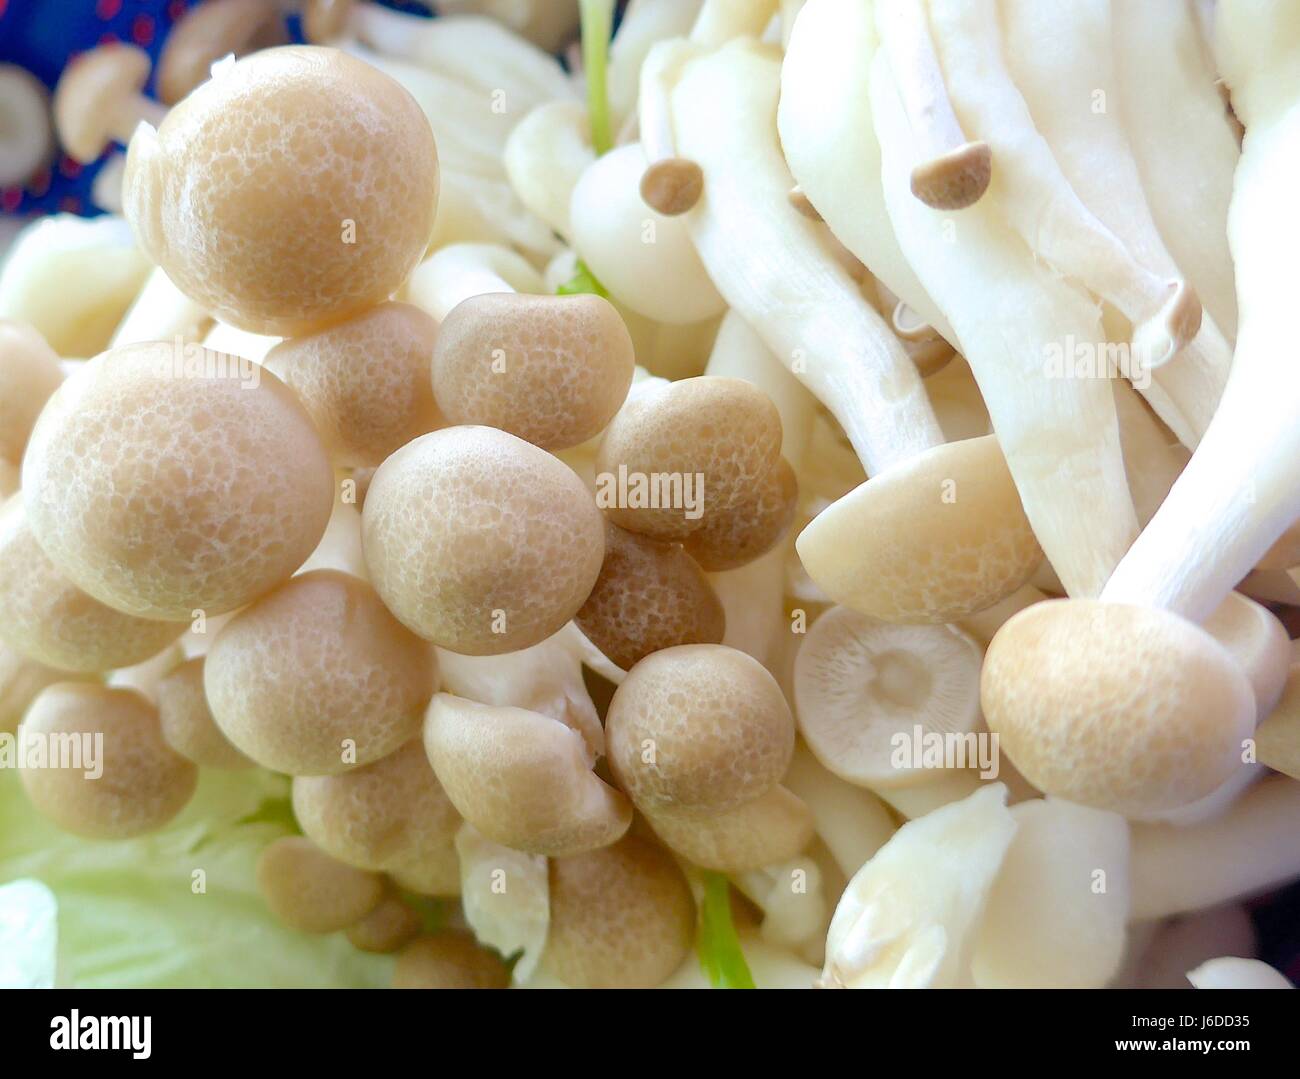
821	504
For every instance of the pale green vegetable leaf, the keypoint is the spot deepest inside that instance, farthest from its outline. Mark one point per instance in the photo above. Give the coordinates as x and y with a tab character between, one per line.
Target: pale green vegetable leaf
716	942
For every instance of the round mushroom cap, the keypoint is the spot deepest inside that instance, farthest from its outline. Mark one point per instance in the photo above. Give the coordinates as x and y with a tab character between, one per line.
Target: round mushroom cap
310	891
292	190
390	812
90	94
47	618
144	782
621	917
859	684
1258	642
187	723
551	369
721	434
449	960
773	828
1119	707
650	595
317	677
21	679
435	872
521	778
209	32
480	541
365	382
29	374
934	539
700	727
164	483
736	536
386	928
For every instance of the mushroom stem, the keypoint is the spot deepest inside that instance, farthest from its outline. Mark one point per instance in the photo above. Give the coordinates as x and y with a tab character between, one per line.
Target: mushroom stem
951	172
459	271
161	312
545	157
670	184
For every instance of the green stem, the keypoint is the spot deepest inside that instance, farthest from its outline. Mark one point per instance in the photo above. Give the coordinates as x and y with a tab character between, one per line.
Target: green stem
597	23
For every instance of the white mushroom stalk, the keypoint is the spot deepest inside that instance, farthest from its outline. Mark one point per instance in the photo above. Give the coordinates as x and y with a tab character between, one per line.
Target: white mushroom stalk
545	157
644	24
506	898
793	899
161	312
459	271
1007	325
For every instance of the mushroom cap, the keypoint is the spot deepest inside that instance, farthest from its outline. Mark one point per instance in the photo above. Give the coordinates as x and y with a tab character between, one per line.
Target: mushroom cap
21	679
312	892
314	669
551	369
91	87
328	210
1114	706
1258	642
449	960
674	185
47	618
26	141
144	782
650	595
521	778
386	928
187	723
160	483
725	430
390	812
365	382
700	727
621	917
954	180
773	828
209	32
860	684
736	536
480	541
435	872
934	539
29	374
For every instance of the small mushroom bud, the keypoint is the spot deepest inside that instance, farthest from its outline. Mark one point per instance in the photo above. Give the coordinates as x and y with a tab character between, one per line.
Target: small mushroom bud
187	723
317	677
522	778
551	369
29	373
98	100
144	784
47	618
479	541
388	813
364	382
386	928
331	205
621	917
700	728
449	961
310	891
650	595
163	484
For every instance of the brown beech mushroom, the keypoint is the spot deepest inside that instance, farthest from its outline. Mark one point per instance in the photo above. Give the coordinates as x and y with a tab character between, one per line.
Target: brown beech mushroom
684	450
388	814
364	382
331	205
1098	731
650	595
736	536
310	891
621	917
773	828
551	369
521	778
386	928
450	960
211	31
21	679
29	374
47	618
162	481
480	541
317	677
700	728
187	723
98	100
142	784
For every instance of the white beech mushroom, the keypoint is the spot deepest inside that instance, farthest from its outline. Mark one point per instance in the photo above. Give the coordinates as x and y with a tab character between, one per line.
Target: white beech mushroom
98	100
521	778
161	312
244	242
317	677
869	694
142	783
909	917
506	898
509	558
211	31
125	494
312	892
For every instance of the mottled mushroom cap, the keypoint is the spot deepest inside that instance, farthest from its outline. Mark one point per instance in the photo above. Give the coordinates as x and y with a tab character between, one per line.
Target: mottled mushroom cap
90	89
